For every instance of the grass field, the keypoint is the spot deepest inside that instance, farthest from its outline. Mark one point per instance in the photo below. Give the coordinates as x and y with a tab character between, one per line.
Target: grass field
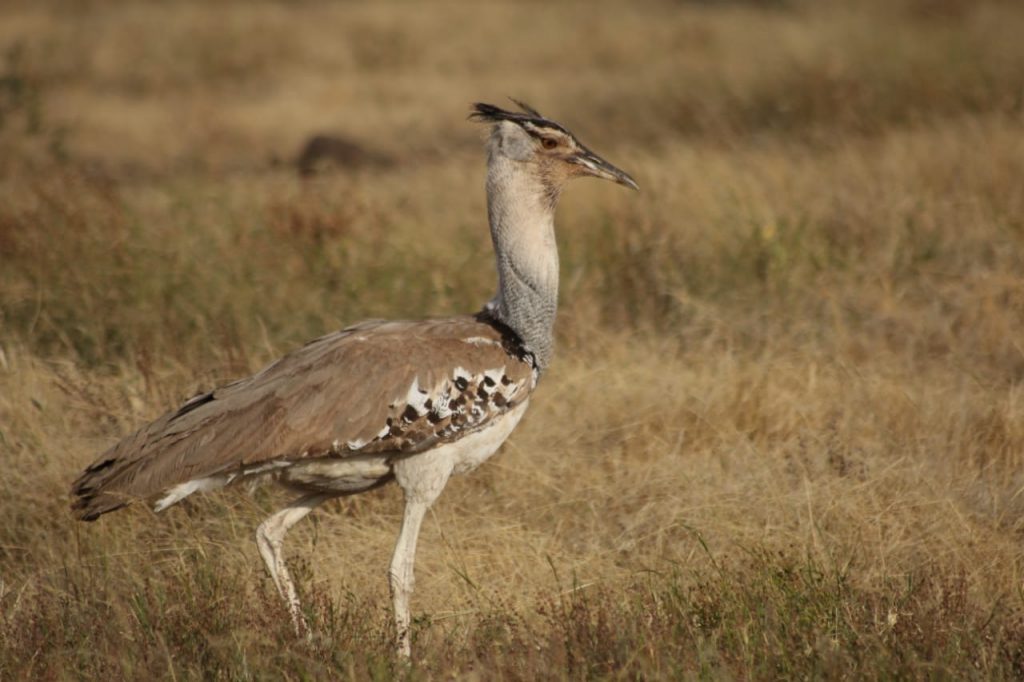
783	435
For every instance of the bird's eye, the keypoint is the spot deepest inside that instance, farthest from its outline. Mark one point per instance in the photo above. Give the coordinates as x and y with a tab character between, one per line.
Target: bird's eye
548	143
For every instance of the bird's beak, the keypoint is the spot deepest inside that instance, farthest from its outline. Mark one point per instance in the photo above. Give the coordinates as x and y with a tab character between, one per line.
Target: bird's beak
592	164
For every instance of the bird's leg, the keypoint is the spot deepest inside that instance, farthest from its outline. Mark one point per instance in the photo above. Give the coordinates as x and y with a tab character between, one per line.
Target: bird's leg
270	539
422	478
401	577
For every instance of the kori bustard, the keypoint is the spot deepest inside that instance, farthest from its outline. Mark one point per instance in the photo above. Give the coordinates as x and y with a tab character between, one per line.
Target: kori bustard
409	401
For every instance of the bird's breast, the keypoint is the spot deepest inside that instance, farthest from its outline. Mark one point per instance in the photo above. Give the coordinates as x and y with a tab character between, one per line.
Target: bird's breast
473	450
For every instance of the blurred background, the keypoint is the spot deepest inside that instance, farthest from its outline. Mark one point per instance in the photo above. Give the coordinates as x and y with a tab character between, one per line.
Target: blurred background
783	434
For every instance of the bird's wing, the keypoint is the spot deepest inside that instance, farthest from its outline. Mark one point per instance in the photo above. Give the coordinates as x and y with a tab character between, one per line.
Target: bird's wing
375	387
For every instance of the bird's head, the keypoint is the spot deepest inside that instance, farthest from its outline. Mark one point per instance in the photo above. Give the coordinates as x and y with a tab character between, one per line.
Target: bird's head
554	153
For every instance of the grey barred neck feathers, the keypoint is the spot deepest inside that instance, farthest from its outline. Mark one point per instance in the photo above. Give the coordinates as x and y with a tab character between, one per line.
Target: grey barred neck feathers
530	158
521	204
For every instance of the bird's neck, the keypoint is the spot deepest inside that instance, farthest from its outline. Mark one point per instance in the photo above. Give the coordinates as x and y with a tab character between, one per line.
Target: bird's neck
521	209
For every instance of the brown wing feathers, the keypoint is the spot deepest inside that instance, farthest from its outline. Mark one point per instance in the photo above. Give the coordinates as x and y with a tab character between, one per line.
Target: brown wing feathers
376	387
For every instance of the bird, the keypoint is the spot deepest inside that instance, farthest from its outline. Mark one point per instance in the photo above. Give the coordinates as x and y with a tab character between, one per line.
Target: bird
407	401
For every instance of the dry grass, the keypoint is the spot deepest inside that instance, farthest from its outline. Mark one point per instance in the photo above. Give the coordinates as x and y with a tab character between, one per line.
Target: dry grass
784	433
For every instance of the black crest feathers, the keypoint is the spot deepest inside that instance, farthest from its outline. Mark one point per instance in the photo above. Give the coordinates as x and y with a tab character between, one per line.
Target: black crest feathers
492	114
